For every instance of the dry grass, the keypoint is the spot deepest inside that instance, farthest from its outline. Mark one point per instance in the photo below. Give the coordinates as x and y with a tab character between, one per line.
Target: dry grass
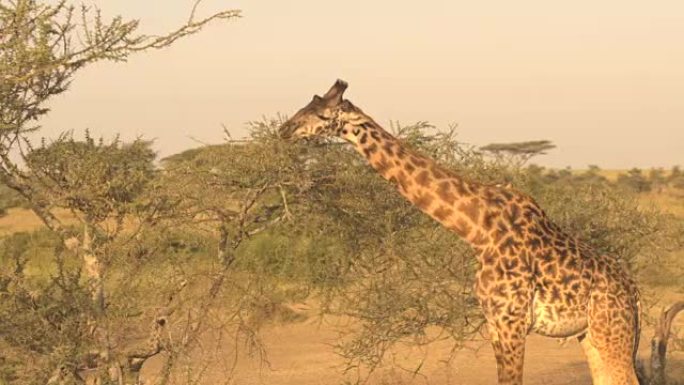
20	220
668	200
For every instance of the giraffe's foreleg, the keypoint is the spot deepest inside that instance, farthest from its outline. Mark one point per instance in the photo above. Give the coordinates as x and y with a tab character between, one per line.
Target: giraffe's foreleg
506	301
509	351
508	322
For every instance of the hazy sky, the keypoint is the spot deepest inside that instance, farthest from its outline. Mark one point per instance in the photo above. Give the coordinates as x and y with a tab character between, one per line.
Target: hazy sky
604	80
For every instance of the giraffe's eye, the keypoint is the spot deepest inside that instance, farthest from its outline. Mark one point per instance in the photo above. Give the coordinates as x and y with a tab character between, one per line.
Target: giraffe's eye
322	117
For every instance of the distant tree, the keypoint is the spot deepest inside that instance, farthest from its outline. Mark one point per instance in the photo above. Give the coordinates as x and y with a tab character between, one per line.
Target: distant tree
559	175
676	178
634	180
657	178
519	152
591	175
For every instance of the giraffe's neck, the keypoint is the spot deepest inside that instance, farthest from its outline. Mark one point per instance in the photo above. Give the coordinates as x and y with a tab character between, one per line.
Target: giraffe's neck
445	196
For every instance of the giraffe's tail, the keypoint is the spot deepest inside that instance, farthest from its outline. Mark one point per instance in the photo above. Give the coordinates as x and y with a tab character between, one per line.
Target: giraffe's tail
637	334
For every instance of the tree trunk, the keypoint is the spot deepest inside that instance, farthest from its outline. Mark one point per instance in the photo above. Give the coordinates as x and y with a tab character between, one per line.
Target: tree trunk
659	343
93	270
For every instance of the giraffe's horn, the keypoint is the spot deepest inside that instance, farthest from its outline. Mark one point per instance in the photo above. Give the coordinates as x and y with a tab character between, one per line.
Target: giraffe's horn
334	94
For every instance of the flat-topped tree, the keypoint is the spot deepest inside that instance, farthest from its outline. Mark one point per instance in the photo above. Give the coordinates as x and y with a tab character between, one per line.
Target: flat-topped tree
519	152
533	277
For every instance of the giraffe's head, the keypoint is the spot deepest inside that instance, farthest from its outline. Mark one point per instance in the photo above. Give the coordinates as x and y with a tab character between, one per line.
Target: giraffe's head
323	116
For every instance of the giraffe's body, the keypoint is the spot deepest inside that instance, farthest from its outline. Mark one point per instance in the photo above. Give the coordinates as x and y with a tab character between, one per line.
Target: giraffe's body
533	277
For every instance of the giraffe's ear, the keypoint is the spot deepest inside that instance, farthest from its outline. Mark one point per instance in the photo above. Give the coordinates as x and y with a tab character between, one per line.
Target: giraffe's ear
334	95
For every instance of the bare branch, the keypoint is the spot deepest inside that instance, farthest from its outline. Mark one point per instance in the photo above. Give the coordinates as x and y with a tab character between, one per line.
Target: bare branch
659	343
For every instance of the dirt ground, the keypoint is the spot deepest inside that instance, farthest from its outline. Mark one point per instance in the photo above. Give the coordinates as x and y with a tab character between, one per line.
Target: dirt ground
302	354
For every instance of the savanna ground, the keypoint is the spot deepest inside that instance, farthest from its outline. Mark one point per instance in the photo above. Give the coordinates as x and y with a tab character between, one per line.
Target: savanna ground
299	343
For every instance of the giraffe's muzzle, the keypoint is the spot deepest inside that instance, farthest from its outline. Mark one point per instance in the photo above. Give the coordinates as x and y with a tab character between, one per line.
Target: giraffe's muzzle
286	131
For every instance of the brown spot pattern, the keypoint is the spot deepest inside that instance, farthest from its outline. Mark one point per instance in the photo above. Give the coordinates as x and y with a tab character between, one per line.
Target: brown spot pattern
442	213
423	178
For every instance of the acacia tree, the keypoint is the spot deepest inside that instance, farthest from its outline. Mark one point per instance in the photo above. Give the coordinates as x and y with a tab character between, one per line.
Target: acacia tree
101	184
43	46
518	153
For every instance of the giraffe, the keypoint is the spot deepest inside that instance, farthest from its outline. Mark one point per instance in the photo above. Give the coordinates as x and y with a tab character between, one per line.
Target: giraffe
532	277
